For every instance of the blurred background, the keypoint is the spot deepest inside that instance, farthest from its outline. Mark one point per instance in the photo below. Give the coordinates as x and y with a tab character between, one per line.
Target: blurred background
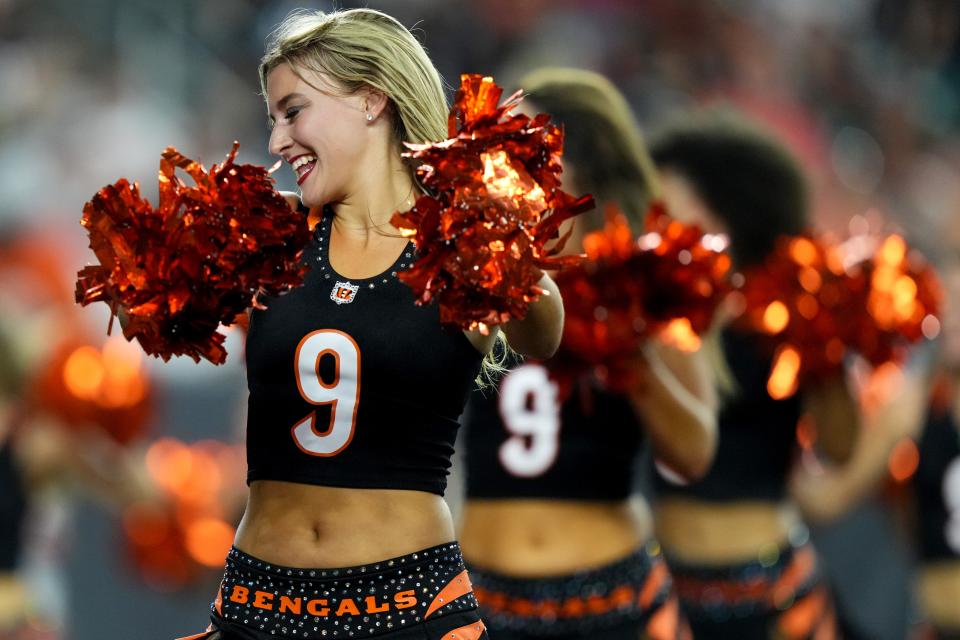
864	91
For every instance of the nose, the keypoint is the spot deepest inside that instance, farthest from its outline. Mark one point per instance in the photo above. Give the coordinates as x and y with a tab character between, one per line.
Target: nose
279	140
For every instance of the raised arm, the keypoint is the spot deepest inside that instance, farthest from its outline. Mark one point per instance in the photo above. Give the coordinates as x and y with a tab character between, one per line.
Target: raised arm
676	399
836	417
538	334
827	494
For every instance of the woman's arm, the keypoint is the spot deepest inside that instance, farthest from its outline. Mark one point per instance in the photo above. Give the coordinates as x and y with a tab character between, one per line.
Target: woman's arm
676	399
826	494
836	417
50	453
538	334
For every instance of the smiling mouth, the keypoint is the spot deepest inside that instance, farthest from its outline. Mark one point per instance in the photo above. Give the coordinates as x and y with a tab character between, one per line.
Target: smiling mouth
303	166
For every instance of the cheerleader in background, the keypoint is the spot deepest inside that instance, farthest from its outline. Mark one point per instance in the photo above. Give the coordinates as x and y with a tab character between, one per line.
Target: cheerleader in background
558	544
937	481
739	553
924	407
43	461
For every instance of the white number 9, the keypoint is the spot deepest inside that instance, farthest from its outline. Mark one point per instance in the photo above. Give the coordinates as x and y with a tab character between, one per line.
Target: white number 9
529	409
343	392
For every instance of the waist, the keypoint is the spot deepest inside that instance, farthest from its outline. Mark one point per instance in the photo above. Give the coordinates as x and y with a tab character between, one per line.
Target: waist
721	534
376	598
578	604
939	584
537	538
768	583
300	525
15	602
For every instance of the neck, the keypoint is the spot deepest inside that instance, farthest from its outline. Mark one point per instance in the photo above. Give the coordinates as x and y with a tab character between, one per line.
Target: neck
384	187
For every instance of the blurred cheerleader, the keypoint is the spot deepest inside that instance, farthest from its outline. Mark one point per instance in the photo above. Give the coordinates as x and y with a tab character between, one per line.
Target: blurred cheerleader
937	480
740	556
919	404
558	544
42	458
355	391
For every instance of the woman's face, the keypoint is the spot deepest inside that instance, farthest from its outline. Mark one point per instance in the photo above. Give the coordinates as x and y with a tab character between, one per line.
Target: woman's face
321	133
685	204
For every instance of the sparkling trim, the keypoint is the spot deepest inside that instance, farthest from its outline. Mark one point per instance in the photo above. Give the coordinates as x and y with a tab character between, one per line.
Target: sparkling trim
344	602
321	231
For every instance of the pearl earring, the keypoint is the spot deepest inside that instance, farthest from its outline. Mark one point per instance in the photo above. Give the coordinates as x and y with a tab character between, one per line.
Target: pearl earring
369	117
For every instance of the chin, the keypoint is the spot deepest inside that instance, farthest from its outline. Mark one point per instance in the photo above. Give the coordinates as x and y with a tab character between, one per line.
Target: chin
313	193
312	199
309	202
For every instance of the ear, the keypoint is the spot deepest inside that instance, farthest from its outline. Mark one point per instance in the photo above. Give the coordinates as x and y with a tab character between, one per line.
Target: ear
374	103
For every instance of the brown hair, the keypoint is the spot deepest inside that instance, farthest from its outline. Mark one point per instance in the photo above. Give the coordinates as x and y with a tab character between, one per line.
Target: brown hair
602	140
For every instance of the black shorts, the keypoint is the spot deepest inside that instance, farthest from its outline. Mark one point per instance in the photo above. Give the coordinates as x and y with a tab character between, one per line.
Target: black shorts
628	599
783	596
421	596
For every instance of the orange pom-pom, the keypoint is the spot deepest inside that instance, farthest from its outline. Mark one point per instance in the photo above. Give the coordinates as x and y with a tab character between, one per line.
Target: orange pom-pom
495	203
185	531
88	387
815	301
668	281
179	271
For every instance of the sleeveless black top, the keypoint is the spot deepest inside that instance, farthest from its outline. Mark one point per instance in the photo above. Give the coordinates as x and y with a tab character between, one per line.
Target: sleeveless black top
757	434
13	508
352	384
937	485
523	443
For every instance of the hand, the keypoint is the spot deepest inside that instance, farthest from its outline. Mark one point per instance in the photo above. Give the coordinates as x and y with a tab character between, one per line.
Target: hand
820	493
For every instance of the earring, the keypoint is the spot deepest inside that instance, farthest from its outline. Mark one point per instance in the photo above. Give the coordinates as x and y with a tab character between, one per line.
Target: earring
369	117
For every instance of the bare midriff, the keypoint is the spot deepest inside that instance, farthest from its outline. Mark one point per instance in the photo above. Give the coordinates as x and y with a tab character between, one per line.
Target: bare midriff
307	526
940	593
541	538
708	533
14	601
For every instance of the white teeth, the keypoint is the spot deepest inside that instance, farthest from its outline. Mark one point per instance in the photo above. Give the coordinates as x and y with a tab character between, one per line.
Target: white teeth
302	160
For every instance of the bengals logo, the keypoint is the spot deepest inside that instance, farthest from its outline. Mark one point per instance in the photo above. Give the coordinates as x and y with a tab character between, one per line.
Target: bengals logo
344	292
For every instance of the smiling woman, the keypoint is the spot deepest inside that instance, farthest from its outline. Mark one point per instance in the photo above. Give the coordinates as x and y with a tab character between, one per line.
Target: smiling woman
352	420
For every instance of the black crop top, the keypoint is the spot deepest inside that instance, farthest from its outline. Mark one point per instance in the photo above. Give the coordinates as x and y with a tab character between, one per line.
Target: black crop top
13	506
352	384
937	485
522	444
757	434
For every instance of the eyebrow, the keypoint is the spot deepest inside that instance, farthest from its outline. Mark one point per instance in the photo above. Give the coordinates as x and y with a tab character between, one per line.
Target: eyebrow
287	98
282	103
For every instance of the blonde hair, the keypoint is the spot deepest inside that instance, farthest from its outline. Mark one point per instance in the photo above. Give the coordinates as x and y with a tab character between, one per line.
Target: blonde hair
602	140
363	49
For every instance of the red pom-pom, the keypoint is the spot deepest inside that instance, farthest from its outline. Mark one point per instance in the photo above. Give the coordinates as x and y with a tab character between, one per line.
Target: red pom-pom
496	202
86	387
902	299
179	271
185	532
817	301
669	281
